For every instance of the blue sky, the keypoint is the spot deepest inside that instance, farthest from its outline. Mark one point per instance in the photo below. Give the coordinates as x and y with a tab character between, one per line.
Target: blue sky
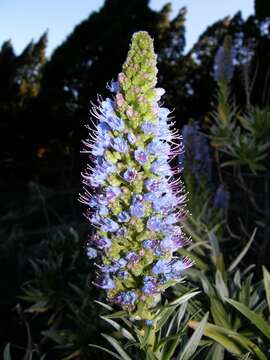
23	20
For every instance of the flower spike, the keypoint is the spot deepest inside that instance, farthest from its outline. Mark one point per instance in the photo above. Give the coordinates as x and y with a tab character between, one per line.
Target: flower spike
135	200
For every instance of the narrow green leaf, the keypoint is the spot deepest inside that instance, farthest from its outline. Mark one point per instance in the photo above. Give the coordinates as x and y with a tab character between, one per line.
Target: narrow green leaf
194	341
242	253
119	328
221	286
107	307
256	319
117	346
266	280
106	350
216	352
184	298
117	315
220	335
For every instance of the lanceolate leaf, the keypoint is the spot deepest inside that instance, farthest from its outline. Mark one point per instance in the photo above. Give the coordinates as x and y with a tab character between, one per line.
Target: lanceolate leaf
194	341
230	340
266	279
243	252
117	346
256	319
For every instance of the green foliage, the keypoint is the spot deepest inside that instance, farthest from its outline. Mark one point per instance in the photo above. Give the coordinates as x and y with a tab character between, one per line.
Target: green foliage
164	338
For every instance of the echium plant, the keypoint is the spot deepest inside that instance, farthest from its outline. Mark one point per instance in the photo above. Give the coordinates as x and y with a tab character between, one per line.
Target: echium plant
136	199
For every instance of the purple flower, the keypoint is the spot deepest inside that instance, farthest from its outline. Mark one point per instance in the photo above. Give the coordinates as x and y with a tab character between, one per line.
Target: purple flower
123	216
141	156
127	298
137	210
130	174
109	225
112	192
103	242
105	283
119	144
154	223
149	244
171	243
132	257
121	232
149	285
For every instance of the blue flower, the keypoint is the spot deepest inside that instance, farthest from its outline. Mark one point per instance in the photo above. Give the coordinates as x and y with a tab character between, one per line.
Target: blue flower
163	113
150	197
103	211
109	225
141	156
148	127
122	274
131	138
115	123
158	147
107	107
103	242
121	263
162	266
130	174
121	232
154	223
91	253
119	144
149	285
137	198
105	283
161	167
114	86
112	192
126	298
137	210
123	216
171	243
149	244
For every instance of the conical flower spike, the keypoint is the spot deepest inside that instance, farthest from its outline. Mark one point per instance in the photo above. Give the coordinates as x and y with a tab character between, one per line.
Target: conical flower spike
136	200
